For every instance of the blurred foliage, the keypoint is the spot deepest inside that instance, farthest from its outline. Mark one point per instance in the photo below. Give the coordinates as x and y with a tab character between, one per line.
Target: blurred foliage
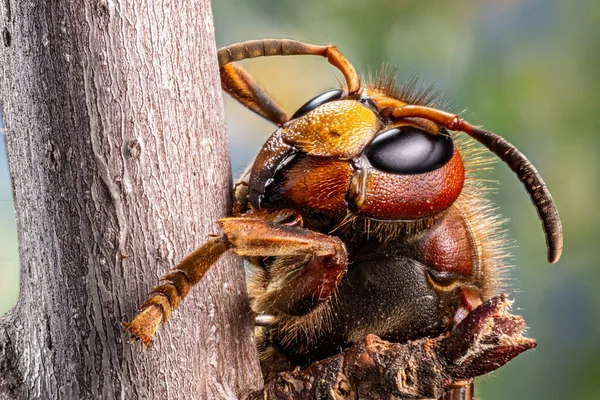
526	69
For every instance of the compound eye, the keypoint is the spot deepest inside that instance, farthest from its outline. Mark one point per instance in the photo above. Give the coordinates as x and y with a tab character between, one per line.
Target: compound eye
323	98
409	150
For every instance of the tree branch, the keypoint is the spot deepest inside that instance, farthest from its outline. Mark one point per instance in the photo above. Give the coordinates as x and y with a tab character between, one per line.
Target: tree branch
486	339
119	164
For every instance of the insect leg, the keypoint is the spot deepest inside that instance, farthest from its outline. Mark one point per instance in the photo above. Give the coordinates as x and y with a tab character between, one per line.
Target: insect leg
238	83
285	47
310	285
166	297
313	263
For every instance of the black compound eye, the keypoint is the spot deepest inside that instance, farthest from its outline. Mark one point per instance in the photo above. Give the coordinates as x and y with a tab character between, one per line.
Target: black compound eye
409	150
323	98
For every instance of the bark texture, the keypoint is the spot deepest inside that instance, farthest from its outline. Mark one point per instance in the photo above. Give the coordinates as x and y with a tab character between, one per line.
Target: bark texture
119	164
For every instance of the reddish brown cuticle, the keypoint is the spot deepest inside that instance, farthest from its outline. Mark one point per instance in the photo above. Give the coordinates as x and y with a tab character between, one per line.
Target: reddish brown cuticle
447	248
406	197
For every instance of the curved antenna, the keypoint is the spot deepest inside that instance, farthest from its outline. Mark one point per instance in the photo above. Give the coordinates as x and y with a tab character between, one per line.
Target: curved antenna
286	47
528	175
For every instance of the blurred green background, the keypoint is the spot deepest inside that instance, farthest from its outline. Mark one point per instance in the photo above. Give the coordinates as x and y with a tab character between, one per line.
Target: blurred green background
526	69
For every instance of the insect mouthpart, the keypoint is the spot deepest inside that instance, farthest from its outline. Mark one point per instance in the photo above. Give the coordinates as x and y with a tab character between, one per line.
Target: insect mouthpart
260	189
359	185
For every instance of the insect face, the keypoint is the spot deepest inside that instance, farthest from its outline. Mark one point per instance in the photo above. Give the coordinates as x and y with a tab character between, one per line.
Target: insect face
340	154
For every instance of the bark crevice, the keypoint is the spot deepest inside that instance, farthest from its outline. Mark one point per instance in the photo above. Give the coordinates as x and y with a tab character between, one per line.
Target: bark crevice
11	378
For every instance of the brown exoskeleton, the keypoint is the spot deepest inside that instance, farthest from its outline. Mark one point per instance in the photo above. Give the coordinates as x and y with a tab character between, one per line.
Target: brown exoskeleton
359	215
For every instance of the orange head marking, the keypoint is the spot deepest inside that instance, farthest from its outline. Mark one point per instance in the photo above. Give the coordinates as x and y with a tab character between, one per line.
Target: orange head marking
339	153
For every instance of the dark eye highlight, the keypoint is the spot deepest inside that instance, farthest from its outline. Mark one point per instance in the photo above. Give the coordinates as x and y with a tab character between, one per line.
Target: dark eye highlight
408	150
323	98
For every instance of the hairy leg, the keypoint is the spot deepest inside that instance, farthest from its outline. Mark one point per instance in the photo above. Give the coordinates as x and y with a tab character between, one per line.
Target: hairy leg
300	290
310	263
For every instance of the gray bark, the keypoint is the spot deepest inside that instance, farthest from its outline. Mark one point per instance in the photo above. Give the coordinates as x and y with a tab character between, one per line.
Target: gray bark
119	165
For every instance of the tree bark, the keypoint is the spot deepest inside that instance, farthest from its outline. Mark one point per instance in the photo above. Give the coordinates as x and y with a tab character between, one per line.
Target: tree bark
119	165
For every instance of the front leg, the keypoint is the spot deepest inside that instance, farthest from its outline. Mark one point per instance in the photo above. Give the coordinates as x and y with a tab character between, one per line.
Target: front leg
301	288
309	264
